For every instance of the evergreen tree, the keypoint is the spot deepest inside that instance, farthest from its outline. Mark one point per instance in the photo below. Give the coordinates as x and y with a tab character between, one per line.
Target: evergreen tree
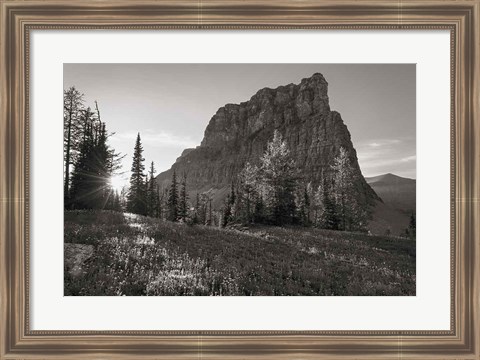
342	176
278	176
196	218
318	205
210	221
248	193
94	165
102	166
227	216
152	193
123	198
259	209
203	202
183	200
172	201
303	205
82	190
159	208
351	215
136	199
330	219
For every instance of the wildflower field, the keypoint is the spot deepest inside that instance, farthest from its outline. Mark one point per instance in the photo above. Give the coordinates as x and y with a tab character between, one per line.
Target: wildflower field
112	253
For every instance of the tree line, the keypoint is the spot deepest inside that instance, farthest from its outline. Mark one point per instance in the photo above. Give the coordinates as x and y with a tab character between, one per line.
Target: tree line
268	193
173	204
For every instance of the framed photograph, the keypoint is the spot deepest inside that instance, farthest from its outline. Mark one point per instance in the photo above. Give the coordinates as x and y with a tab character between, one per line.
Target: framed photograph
250	179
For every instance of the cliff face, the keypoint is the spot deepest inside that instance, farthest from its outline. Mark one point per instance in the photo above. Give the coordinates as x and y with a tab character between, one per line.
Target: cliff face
239	133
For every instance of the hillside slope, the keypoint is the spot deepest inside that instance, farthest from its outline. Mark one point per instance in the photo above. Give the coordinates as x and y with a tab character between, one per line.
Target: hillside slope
148	256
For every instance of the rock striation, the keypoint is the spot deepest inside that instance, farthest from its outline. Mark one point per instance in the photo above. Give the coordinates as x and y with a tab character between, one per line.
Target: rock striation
239	133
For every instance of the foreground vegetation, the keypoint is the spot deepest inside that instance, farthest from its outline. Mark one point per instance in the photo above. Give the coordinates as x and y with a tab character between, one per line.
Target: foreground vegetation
136	255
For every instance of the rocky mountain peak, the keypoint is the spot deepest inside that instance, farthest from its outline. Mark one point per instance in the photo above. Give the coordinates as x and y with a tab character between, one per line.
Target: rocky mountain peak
239	133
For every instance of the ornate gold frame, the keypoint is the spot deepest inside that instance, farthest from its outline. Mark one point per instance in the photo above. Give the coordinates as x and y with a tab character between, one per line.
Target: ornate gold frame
18	17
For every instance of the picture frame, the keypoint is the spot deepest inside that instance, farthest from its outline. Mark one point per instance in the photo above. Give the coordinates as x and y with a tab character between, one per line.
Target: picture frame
18	18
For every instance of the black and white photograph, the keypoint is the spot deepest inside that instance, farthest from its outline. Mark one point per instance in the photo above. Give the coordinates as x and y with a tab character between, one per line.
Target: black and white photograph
239	179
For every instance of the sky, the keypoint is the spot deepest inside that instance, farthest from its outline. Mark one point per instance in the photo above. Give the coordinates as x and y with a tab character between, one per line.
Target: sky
171	105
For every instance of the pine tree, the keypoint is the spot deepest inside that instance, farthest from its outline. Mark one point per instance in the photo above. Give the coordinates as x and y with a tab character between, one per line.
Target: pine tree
278	176
172	201
196	218
203	202
159	208
227	216
210	221
136	199
352	216
82	190
152	193
183	200
94	165
330	219
102	166
318	206
303	205
259	209
244	203
123	198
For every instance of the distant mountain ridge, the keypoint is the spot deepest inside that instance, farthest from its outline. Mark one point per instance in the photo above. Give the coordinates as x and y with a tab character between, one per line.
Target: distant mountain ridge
394	190
399	202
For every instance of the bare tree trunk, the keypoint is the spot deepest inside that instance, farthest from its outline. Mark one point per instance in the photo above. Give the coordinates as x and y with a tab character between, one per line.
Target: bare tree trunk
66	188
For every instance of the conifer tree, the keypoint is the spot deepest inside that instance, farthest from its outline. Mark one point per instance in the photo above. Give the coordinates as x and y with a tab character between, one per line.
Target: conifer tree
82	190
94	165
248	193
259	208
227	216
279	179
152	193
172	201
102	167
209	221
136	199
203	208
183	199
330	219
303	205
318	205
351	215
196	218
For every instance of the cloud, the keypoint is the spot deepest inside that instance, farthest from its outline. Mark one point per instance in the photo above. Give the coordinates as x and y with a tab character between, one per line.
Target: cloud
409	158
383	143
379	156
156	139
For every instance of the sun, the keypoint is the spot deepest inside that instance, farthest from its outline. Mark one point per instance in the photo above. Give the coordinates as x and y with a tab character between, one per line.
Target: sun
117	182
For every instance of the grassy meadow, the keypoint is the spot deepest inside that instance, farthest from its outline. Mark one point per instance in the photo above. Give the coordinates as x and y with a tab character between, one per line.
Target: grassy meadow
111	253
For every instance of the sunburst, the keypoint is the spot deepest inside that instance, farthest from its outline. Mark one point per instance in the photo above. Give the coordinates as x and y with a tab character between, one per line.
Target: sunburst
118	182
